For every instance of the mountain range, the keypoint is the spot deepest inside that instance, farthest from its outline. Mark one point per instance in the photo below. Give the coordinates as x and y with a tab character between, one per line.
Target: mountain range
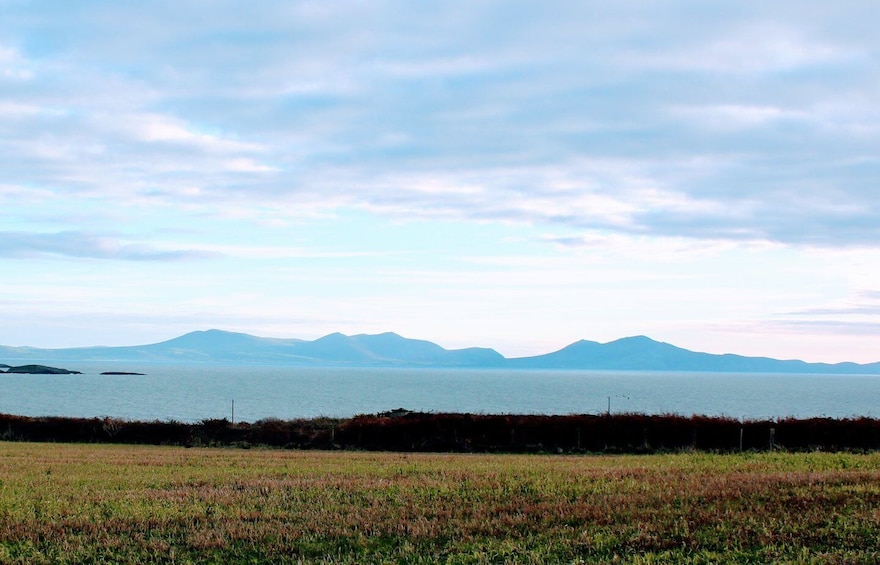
638	353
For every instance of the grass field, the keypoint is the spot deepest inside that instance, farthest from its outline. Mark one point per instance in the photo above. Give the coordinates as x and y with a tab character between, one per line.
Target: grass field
123	504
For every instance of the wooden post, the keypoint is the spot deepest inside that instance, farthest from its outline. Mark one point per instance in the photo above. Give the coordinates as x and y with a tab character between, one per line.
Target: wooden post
741	429
233	411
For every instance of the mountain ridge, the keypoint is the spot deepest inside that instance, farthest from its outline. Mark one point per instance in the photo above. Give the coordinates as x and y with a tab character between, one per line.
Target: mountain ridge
388	349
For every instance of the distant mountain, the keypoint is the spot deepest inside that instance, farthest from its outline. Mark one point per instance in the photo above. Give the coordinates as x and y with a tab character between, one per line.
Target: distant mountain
390	348
387	349
638	353
642	353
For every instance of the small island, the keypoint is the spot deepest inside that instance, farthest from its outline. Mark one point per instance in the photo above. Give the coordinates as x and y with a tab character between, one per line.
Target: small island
40	370
120	373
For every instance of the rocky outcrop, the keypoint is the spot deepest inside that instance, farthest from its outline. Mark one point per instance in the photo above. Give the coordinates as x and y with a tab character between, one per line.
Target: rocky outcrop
41	370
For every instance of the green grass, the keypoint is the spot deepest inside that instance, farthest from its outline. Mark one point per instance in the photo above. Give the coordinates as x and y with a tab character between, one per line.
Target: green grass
123	504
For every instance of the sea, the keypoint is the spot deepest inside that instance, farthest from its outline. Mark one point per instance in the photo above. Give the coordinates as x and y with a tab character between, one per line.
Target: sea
191	393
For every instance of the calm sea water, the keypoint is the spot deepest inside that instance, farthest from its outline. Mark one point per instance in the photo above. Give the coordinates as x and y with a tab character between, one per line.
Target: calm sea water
196	392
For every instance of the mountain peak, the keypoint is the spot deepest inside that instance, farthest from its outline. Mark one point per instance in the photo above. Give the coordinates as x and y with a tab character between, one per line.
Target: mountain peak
639	337
215	334
635	339
334	335
388	334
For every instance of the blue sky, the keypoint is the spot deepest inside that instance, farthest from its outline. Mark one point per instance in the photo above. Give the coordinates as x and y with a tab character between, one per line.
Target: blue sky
516	175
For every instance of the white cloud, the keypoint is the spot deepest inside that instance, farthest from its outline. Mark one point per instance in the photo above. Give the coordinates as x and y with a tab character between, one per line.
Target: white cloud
736	116
15	194
436	68
88	246
157	128
13	66
761	47
14	110
646	123
245	165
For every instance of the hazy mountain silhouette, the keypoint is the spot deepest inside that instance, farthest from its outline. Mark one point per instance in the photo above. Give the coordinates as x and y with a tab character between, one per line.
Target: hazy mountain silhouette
643	353
389	349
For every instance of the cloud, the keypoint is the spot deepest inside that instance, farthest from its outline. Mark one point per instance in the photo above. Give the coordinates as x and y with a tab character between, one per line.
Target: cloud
830	327
862	310
858	314
157	128
89	246
738	123
736	116
757	47
12	66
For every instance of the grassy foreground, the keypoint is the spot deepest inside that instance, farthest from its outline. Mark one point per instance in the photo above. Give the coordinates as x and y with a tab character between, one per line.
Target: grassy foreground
124	504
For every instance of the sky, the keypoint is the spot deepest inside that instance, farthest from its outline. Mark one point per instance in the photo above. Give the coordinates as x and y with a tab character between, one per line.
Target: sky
507	174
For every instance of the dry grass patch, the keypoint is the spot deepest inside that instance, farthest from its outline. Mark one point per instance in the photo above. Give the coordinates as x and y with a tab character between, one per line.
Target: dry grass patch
121	504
